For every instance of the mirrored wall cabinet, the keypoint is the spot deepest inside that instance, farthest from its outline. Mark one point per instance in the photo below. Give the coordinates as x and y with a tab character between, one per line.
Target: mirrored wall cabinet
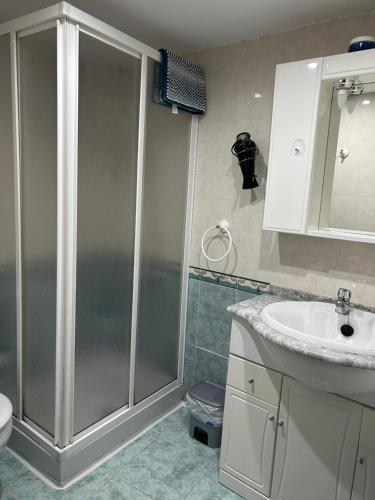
321	177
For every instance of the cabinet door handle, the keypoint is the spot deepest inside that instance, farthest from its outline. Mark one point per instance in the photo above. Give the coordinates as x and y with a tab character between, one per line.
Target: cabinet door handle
362	460
271	418
280	423
251	380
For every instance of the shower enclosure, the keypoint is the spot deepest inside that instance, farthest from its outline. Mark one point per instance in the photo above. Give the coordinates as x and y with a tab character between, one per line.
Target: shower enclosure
95	202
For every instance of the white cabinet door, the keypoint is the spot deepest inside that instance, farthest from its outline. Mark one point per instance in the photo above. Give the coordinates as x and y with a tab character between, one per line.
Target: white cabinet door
364	480
349	64
316	446
295	109
249	435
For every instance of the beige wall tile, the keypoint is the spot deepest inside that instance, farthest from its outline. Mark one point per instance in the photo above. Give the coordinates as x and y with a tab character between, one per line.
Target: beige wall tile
234	74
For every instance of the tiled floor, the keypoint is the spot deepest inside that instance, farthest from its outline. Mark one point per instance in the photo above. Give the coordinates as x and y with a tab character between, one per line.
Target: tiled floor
165	463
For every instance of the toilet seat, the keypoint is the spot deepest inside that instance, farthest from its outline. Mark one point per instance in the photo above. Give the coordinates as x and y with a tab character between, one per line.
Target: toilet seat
6	411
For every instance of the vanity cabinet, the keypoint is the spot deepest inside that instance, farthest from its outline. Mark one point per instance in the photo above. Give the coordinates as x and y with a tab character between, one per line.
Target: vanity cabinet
254	379
317	443
250	426
364	480
249	436
301	445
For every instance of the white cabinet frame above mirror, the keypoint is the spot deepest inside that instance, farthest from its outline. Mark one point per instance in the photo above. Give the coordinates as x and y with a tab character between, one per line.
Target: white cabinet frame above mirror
300	184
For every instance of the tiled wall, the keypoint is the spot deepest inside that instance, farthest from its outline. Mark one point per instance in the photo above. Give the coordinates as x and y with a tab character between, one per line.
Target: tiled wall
240	83
209	324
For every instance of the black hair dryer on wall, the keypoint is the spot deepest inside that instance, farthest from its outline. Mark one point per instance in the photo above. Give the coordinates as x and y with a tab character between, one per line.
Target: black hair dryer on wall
246	150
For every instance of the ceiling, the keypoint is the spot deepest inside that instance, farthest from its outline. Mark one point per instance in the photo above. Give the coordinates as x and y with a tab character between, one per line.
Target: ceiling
188	25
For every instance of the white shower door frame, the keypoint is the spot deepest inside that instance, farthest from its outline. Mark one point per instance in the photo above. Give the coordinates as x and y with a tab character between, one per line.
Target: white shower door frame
69	22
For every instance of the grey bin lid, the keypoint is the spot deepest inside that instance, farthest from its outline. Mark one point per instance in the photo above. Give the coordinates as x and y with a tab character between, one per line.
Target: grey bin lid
209	393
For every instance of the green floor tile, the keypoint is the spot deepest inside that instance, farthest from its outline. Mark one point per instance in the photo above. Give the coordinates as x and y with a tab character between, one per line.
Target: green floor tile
162	464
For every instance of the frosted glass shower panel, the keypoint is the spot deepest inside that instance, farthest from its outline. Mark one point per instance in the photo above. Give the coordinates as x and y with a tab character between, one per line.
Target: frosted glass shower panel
8	335
38	132
109	82
163	225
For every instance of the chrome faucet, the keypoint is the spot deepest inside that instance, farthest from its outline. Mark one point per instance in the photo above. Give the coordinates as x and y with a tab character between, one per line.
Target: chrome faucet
343	301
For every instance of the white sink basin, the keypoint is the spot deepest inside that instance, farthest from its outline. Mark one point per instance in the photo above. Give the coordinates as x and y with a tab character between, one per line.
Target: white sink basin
318	324
303	340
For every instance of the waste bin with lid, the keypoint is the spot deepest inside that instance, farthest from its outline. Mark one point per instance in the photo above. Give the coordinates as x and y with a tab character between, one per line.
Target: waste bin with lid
205	402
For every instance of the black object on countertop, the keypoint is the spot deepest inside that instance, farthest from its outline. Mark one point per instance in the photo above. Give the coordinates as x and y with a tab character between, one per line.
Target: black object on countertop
246	150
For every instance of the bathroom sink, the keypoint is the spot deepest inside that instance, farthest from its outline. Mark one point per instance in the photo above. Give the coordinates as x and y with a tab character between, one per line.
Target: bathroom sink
317	323
303	340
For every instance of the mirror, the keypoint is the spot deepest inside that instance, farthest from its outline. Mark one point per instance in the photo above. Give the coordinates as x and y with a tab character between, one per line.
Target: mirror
321	169
348	195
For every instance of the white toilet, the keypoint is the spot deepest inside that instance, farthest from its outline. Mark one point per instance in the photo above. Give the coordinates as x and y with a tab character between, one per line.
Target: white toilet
6	411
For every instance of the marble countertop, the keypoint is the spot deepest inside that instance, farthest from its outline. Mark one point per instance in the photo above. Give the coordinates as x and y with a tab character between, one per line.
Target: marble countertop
250	311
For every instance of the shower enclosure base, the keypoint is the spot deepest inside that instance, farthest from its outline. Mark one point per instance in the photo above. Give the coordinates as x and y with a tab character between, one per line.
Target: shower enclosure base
62	465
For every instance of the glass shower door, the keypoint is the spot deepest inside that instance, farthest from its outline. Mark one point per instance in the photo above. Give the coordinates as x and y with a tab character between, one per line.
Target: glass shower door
109	83
162	245
38	151
8	335
78	226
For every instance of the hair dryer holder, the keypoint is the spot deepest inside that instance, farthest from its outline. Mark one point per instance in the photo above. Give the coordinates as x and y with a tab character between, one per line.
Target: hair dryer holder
246	151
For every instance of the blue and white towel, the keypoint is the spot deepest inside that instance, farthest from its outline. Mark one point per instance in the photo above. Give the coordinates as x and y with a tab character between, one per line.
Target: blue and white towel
182	83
